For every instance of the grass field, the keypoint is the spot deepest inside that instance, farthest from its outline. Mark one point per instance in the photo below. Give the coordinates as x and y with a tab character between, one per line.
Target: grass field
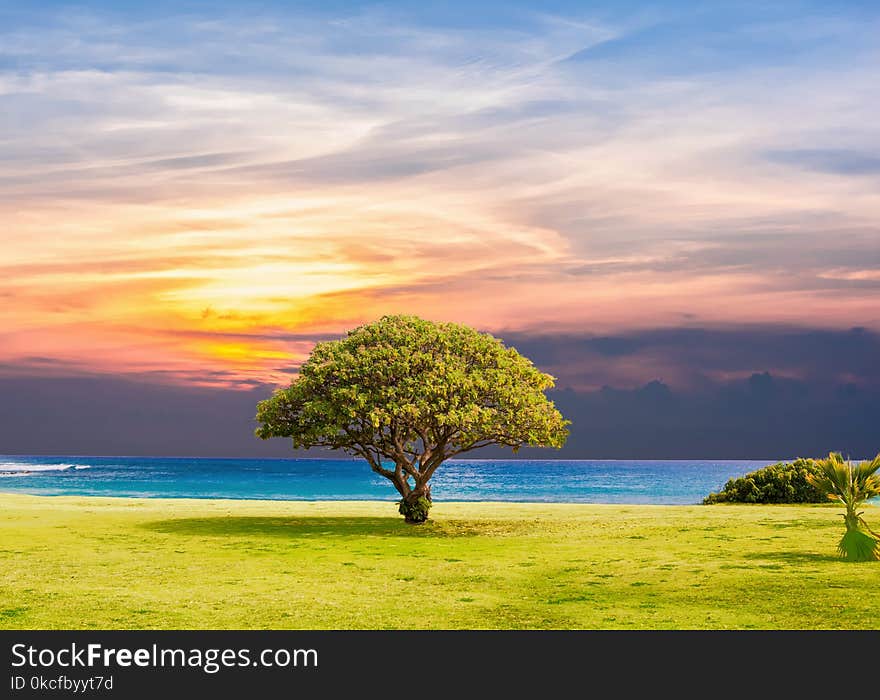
130	563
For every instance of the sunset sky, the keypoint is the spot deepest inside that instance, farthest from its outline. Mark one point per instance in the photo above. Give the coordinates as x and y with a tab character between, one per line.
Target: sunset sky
193	193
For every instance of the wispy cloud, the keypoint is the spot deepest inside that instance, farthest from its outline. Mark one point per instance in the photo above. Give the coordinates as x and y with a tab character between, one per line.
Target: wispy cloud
837	161
166	177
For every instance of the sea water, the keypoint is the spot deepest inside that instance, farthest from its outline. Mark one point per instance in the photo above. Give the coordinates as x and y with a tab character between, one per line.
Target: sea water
548	481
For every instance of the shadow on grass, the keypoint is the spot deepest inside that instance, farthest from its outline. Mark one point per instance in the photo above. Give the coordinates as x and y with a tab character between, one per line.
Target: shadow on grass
314	527
793	557
785	524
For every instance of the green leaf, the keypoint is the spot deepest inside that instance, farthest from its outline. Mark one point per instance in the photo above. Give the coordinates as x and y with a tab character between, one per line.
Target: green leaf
403	387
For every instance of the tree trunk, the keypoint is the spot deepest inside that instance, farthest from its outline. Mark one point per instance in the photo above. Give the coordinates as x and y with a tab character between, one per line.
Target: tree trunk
414	506
851	519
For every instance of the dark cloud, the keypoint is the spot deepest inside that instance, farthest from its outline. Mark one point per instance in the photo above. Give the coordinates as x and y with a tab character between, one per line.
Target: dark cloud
105	415
696	355
751	393
760	417
760	393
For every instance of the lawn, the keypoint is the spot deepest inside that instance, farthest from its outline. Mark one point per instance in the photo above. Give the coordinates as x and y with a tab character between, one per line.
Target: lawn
83	563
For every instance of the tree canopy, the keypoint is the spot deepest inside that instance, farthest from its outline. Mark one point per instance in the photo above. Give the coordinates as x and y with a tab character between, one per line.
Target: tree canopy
407	394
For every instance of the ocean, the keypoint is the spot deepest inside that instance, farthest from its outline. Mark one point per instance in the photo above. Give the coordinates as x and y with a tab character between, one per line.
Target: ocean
545	481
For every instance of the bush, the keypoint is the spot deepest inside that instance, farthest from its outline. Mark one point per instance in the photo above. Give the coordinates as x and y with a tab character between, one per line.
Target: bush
783	482
414	511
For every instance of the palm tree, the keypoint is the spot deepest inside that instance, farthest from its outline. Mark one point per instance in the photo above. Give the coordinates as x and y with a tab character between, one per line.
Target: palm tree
851	484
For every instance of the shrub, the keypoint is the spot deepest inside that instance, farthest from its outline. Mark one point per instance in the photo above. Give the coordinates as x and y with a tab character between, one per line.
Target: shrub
783	482
415	511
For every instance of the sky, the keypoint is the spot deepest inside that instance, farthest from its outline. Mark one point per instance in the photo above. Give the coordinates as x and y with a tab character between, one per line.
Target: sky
637	195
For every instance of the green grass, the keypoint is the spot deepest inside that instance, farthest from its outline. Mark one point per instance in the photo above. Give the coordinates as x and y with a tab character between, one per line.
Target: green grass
85	563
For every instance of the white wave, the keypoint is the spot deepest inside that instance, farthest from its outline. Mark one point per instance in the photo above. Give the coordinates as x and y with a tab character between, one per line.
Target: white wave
20	467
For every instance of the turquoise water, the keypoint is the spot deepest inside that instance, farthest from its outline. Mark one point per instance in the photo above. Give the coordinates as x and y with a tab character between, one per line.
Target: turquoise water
560	481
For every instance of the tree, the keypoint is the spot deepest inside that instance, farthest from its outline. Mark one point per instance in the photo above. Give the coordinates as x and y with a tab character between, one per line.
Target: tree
851	484
407	394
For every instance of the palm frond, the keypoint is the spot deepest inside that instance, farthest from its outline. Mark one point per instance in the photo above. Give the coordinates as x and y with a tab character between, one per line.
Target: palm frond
856	545
852	485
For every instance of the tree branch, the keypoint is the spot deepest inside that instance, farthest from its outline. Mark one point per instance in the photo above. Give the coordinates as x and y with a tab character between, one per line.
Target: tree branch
374	462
